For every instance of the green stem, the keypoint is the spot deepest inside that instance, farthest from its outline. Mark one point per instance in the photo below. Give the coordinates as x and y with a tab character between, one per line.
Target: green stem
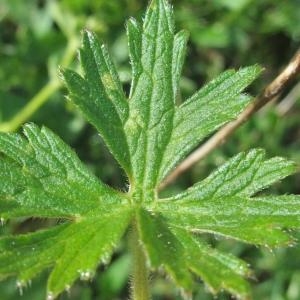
43	95
72	46
140	280
33	105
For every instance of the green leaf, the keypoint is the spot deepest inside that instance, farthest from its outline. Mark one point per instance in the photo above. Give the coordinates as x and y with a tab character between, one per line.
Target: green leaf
149	135
245	174
74	249
100	97
27	255
46	178
89	242
219	270
179	51
162	247
134	33
221	203
151	102
219	102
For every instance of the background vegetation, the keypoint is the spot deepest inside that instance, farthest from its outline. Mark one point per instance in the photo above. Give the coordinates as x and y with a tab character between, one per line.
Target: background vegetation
38	35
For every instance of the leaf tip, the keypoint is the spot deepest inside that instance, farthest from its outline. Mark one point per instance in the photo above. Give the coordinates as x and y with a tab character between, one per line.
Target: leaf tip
50	296
30	127
257	70
132	23
2	221
88	38
61	73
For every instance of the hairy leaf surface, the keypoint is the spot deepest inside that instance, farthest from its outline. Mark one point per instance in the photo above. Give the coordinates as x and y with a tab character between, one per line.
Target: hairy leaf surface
163	247
218	269
100	97
214	105
148	134
222	203
46	178
151	100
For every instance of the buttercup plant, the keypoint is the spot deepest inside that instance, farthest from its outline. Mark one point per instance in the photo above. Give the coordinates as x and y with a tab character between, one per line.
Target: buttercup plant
149	135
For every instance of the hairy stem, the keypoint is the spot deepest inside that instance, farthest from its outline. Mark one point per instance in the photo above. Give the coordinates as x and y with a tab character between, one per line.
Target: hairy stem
271	92
140	276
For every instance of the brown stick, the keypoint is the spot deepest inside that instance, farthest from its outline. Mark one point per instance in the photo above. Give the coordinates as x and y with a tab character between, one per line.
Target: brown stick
269	93
286	104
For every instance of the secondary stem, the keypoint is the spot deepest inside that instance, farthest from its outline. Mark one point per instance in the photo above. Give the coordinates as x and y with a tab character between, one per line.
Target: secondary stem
43	95
140	280
33	105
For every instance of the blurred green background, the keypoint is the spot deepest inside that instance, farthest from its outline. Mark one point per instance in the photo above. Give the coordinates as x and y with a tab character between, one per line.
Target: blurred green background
37	36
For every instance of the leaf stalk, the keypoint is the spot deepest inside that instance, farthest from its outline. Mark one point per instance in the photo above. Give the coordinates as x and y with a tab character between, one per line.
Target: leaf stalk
140	276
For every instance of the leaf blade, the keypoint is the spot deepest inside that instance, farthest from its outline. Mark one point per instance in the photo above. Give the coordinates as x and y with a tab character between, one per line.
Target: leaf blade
219	270
247	220
89	242
99	96
163	248
35	252
45	178
217	103
151	98
179	51
245	174
222	203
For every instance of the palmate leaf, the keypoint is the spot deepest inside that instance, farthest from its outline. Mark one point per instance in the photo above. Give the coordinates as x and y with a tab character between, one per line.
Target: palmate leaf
151	101
99	96
202	113
44	178
222	203
219	270
149	135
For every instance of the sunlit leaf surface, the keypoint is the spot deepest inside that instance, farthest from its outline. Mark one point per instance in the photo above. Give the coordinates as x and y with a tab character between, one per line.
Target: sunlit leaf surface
149	135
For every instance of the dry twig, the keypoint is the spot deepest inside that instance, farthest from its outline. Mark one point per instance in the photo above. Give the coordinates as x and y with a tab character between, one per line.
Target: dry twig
286	104
272	91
